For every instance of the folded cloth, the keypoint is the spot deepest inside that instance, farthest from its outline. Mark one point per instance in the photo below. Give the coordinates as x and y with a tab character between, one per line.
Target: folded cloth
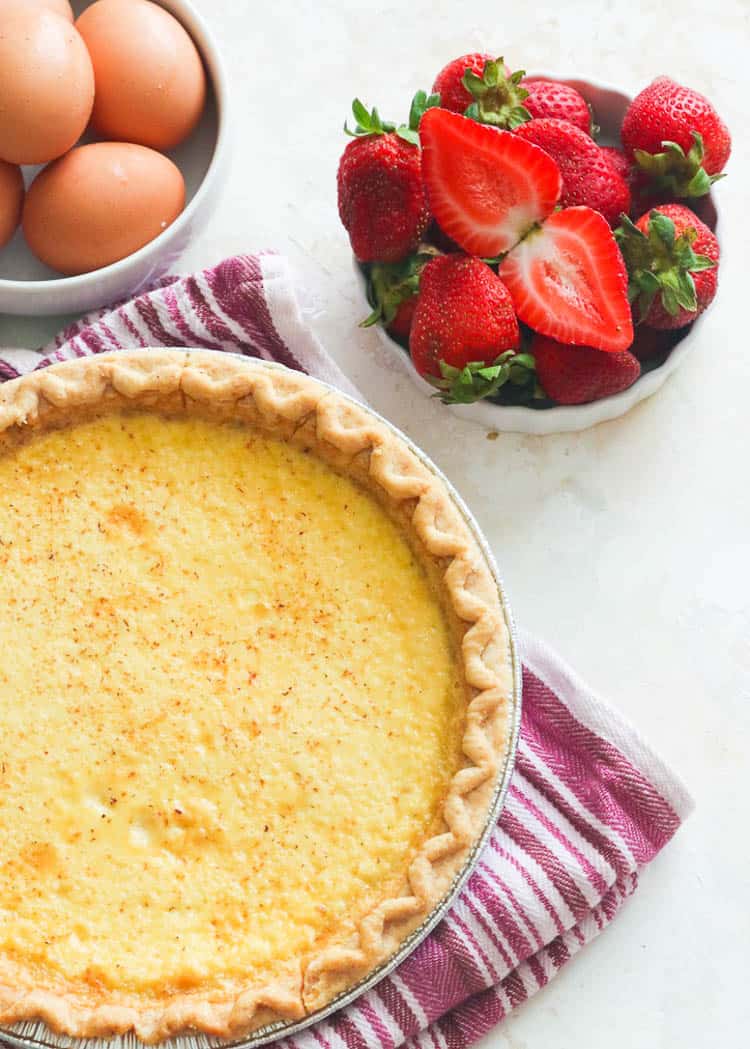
589	804
245	305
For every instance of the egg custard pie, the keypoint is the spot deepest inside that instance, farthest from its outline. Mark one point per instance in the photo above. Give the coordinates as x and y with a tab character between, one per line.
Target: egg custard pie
256	692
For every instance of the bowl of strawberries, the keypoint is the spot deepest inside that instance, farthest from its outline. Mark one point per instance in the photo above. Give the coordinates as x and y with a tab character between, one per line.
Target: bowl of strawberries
539	251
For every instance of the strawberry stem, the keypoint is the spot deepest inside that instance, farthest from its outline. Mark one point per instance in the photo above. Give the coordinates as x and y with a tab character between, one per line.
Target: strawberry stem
369	122
675	171
391	283
478	380
498	96
419	106
660	264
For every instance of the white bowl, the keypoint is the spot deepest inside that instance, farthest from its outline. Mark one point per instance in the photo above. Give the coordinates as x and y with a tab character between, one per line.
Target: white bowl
27	286
609	106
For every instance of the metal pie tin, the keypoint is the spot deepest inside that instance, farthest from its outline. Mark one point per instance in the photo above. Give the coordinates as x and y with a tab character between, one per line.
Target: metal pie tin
34	1034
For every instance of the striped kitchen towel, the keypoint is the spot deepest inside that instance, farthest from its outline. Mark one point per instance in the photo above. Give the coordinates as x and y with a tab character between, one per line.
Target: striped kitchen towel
589	804
246	304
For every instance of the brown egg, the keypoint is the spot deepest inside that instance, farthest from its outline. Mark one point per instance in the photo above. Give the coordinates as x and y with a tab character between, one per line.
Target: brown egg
150	83
100	203
62	7
46	85
11	200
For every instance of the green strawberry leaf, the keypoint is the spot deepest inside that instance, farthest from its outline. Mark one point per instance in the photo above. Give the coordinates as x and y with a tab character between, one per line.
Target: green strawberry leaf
633	244
522	370
478	379
473	83
408	135
685	292
676	172
648	282
361	114
492	74
660	264
497	96
390	284
701	262
699	185
669	301
662	229
419	106
367	123
643	290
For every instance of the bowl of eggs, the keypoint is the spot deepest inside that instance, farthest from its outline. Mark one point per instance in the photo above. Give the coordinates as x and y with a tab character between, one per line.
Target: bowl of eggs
113	144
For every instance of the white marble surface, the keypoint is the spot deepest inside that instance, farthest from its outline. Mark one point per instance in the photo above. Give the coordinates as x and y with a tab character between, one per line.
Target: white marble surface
628	546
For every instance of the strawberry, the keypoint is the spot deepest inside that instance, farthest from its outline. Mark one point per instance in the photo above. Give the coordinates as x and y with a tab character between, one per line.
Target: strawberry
485	187
672	259
465	333
588	175
568	280
676	136
449	81
392	289
577	374
381	198
550	98
400	326
618	161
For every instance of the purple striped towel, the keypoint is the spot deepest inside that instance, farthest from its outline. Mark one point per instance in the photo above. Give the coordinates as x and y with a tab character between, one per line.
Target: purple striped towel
589	803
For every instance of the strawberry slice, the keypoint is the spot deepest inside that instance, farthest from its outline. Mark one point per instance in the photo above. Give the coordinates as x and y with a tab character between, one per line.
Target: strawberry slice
485	187
568	280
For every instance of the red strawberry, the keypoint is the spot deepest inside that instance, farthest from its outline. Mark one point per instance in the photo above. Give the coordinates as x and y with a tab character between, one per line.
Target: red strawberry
485	187
449	81
588	175
550	98
463	324
380	193
673	262
578	374
618	161
677	137
400	326
568	280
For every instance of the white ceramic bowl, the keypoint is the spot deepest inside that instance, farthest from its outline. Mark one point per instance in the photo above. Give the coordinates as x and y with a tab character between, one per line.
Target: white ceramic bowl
609	106
27	286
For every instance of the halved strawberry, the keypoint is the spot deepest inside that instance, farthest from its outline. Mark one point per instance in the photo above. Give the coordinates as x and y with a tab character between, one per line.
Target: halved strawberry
486	188
568	280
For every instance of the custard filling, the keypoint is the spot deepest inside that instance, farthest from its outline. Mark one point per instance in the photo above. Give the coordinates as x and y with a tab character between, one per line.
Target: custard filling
229	704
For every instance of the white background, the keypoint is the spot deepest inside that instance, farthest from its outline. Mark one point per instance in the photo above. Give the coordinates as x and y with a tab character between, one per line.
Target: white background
627	547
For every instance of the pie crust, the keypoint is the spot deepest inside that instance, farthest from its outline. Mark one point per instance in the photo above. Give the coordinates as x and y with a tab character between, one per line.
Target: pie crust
287	405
